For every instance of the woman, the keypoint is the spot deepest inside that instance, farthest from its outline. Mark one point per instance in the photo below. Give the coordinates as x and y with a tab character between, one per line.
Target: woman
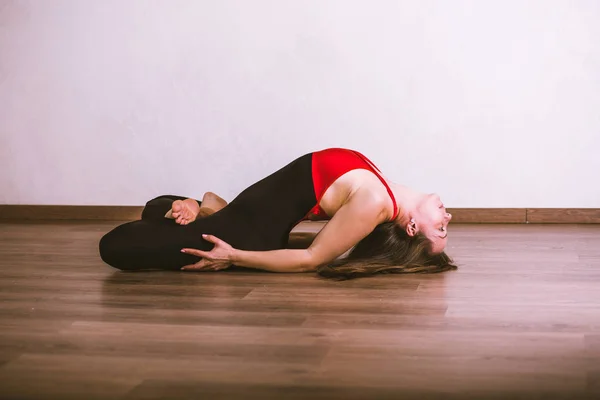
391	228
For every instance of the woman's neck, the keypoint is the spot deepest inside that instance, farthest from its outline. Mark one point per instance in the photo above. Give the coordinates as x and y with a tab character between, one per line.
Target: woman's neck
407	200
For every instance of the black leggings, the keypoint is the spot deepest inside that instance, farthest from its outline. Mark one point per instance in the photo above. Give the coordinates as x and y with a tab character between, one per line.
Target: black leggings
259	218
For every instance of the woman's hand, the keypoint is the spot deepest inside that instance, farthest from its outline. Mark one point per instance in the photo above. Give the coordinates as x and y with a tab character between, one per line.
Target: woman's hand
220	257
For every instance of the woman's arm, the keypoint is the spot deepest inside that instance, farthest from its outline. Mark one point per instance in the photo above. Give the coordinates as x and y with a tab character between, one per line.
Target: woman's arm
285	260
363	211
357	218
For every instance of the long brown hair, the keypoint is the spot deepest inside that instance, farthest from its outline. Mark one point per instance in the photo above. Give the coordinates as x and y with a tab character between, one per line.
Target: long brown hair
388	249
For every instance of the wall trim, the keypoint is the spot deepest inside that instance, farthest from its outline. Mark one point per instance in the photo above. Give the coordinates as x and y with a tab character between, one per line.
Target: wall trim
460	215
60	212
488	215
563	215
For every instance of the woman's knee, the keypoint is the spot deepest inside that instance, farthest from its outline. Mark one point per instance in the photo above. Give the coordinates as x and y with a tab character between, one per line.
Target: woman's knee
163	199
144	245
158	207
113	251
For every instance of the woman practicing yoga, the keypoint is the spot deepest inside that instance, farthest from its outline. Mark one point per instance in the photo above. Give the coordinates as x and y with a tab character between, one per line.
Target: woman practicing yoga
389	227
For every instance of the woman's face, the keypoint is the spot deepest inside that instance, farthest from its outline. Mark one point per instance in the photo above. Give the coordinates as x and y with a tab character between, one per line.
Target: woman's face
433	220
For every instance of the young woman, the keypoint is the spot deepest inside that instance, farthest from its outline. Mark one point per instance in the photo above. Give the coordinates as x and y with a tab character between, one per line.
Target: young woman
389	227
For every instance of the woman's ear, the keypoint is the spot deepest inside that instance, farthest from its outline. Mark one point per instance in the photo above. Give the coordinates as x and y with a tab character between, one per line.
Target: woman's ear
411	228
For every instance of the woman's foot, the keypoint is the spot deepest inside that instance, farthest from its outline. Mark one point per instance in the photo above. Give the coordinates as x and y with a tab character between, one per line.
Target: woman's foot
185	211
211	203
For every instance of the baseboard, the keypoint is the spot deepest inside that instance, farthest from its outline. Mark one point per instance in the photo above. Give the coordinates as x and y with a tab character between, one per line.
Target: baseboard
94	213
460	215
563	215
488	215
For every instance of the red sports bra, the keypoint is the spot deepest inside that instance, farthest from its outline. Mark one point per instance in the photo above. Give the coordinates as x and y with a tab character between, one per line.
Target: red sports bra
330	164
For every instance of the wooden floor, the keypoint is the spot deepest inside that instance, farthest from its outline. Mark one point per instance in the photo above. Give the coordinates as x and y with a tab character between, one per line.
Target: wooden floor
519	319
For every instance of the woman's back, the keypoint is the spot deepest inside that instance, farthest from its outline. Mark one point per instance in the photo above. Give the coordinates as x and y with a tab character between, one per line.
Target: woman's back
337	174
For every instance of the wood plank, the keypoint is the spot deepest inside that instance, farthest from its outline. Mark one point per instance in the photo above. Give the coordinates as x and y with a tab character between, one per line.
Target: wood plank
488	215
563	215
179	389
69	212
460	215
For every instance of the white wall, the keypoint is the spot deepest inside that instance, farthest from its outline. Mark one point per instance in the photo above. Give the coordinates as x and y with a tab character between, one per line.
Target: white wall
489	103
